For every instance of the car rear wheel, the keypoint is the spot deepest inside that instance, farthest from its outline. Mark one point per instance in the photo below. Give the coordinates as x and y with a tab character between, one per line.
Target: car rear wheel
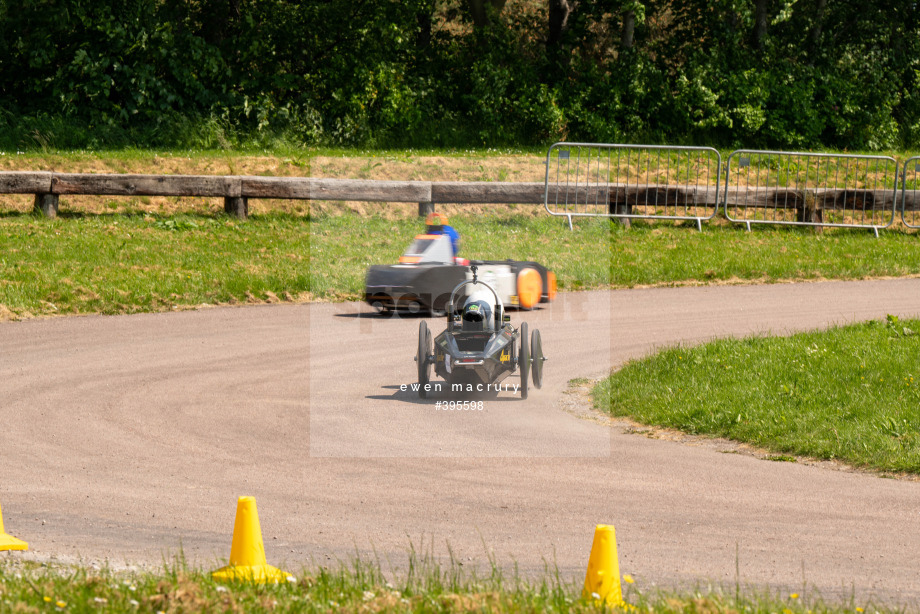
421	358
529	288
537	358
384	306
524	360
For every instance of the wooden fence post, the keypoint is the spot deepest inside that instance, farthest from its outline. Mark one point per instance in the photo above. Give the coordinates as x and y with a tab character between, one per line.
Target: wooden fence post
614	206
46	204
425	208
237	206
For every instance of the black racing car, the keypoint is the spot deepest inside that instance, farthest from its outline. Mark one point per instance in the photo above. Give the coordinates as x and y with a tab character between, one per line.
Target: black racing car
428	271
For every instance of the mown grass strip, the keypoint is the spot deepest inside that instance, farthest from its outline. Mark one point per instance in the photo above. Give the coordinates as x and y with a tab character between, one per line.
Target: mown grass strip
849	393
125	263
661	254
128	263
138	261
364	587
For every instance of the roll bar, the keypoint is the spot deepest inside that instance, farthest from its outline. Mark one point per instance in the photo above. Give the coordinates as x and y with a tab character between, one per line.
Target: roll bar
500	307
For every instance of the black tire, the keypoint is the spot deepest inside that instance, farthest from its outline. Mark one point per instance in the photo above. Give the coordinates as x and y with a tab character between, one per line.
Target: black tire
536	355
439	304
421	358
524	360
387	309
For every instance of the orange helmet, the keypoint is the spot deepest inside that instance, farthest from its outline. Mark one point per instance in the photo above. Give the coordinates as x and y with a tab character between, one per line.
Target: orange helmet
436	219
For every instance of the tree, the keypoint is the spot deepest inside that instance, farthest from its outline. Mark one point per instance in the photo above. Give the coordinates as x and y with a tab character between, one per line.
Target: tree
760	22
558	18
484	12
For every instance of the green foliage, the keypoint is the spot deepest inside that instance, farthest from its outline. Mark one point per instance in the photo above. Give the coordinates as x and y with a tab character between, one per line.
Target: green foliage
417	73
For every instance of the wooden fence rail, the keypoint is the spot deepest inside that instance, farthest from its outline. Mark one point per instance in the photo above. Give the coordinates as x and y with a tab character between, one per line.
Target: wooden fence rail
237	190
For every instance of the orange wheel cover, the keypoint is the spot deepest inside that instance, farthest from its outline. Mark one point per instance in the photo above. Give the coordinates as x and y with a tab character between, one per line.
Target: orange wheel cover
529	287
551	291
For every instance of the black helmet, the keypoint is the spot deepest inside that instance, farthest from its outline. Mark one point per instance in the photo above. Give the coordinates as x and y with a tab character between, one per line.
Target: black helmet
477	316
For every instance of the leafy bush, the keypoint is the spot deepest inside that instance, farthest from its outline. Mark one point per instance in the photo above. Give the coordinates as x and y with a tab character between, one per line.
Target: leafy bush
424	72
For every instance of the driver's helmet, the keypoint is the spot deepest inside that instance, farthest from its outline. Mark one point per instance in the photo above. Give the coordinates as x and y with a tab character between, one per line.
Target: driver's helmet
478	313
435	223
436	219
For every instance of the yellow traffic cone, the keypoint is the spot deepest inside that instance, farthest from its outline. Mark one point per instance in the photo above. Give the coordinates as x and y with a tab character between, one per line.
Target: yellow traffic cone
8	542
247	552
602	582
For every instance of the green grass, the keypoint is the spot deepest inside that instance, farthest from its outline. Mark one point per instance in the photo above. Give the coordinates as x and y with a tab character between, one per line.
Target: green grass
126	263
129	262
849	393
662	254
344	246
363	587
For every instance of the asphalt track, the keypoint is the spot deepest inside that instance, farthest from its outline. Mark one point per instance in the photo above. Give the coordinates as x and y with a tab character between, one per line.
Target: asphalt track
128	438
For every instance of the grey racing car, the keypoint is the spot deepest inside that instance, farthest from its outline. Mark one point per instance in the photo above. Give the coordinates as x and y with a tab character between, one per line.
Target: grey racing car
480	347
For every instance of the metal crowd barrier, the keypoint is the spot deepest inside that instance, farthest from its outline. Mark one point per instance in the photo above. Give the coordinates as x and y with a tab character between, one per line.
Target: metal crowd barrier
811	189
632	181
910	193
